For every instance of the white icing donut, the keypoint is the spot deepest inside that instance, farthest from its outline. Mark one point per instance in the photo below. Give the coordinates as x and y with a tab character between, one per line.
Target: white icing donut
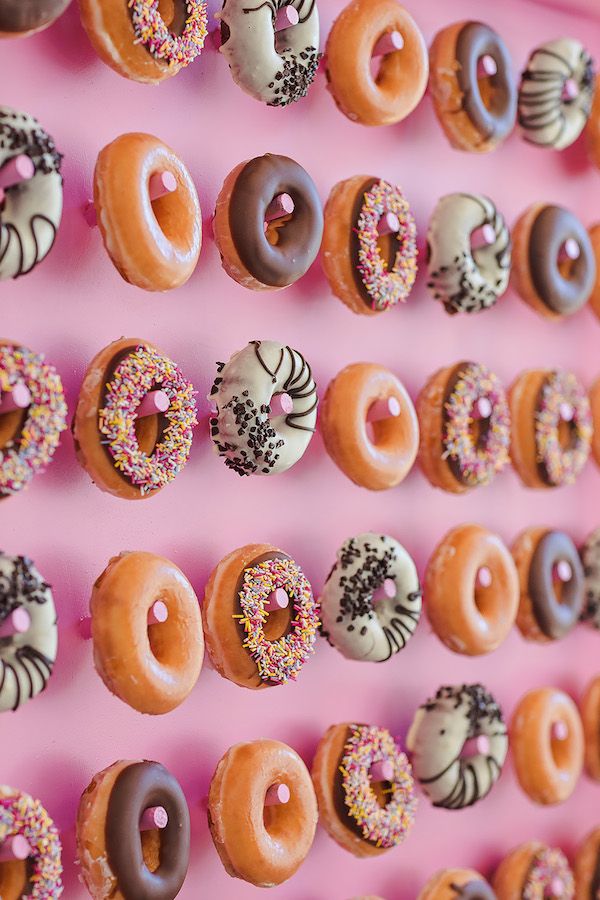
275	67
351	622
465	278
436	738
31	212
548	116
26	658
590	557
243	433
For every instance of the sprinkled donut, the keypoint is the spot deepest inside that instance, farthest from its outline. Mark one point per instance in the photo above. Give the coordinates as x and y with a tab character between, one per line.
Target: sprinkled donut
30	211
457	884
244	433
276	68
534	871
364	787
19	18
586	867
590	558
463	276
360	628
369	270
437	737
556	93
38	876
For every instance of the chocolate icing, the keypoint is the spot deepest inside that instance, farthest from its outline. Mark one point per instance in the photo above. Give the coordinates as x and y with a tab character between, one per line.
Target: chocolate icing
595	882
260	181
555	617
355	240
454	377
28	15
137	788
474	41
551	228
474	890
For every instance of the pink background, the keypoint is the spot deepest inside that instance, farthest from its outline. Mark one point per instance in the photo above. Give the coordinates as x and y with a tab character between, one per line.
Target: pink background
75	303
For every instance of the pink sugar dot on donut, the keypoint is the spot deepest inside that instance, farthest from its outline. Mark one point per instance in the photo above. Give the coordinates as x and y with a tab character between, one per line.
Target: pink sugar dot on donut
277	794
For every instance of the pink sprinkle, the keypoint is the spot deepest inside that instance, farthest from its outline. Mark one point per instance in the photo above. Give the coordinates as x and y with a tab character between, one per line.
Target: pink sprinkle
277	794
486	66
382	771
388	43
570	90
154	817
484	577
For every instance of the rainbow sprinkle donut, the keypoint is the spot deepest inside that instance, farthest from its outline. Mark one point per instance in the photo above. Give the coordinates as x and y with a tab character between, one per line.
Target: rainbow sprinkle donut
534	871
20	814
152	32
563	465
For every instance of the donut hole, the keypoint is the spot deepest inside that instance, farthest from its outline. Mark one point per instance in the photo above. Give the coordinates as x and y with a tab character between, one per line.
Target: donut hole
566	434
11	425
388	433
559	747
487	86
388	246
174	214
165	638
484	599
173	14
273	228
151	848
277	623
382	791
148	431
479	431
15	878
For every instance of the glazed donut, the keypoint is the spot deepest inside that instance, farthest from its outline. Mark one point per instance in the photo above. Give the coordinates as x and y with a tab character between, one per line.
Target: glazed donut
586	867
350	619
401	81
551	427
590	559
555	94
477	112
38	876
551	600
126	456
365	811
247	642
368	271
467	278
267	258
154	667
589	709
153	244
276	68
146	40
378	457
459	450
471	590
595	415
553	286
534	871
243	432
440	729
592	131
30	210
117	862
457	884
594	235
259	842
20	18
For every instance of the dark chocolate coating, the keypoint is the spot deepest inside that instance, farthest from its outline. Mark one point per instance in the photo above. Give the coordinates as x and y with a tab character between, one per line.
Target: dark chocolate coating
260	181
555	618
17	16
474	890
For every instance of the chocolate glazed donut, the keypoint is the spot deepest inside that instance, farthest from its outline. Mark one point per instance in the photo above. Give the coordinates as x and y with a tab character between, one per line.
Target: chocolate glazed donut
555	616
20	16
563	294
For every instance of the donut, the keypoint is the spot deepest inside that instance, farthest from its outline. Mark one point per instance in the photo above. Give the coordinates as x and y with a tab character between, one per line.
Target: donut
551	427
275	67
555	94
552	586
352	619
594	235
375	453
465	427
544	275
476	110
20	18
589	709
116	860
146	40
590	559
592	131
397	88
153	667
126	456
38	876
471	590
465	277
30	210
153	244
257	840
533	871
364	808
594	398
436	739
457	884
266	255
586	867
368	271
246	432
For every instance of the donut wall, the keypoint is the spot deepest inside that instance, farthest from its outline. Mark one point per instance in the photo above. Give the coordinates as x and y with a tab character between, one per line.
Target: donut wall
75	303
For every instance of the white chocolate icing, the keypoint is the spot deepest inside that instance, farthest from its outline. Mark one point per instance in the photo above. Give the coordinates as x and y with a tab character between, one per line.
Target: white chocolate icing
351	622
463	278
590	557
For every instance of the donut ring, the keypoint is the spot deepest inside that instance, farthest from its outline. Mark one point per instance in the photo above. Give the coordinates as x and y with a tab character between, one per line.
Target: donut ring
38	876
589	709
456	451
267	259
546	116
116	861
532	869
352	623
402	77
468	617
476	113
457	884
369	272
592	131
590	559
553	288
20	18
546	449
137	42
243	433
547	766
264	845
153	244
439	731
350	806
586	867
549	608
594	235
382	457
246	643
465	278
